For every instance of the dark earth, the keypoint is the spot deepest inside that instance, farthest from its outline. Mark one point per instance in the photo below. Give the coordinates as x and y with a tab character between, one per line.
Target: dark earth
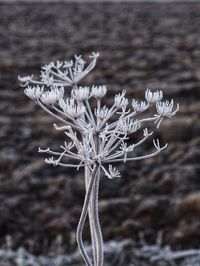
142	45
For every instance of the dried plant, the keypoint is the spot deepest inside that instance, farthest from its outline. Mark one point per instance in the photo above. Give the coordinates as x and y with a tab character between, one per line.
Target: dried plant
97	138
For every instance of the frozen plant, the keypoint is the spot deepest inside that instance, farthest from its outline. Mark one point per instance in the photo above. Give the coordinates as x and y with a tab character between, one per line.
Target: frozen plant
96	137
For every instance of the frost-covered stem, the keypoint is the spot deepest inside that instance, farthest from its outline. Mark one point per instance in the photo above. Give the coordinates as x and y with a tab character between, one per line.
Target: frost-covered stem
98	109
113	110
131	115
90	215
98	233
93	214
56	116
137	158
82	219
150	119
61	76
90	112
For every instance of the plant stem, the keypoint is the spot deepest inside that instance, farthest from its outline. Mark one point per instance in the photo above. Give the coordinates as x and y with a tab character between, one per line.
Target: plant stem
90	215
83	216
95	214
95	229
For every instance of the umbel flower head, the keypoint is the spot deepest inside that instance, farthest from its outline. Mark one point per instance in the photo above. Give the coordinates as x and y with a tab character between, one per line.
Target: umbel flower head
65	73
97	136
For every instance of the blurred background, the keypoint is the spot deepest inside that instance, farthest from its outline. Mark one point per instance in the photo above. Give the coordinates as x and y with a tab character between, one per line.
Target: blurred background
142	45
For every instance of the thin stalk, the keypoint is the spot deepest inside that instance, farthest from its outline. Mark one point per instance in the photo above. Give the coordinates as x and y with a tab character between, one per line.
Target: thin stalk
56	116
95	228
137	158
79	233
95	213
90	215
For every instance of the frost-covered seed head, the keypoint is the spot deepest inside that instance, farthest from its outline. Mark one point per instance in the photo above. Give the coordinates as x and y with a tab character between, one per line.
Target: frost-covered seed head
166	108
129	125
139	106
81	93
103	112
46	78
72	109
113	172
153	96
79	60
86	124
50	161
62	104
67	73
58	64
94	55
25	80
68	64
124	147
52	96
34	92
99	92
48	67
78	111
120	100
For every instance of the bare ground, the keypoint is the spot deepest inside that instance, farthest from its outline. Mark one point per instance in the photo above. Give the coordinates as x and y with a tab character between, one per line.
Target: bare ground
141	45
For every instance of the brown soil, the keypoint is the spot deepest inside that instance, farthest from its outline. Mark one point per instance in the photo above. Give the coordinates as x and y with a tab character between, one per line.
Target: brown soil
141	45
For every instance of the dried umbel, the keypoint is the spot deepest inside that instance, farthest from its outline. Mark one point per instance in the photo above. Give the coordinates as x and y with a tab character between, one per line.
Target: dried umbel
96	138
